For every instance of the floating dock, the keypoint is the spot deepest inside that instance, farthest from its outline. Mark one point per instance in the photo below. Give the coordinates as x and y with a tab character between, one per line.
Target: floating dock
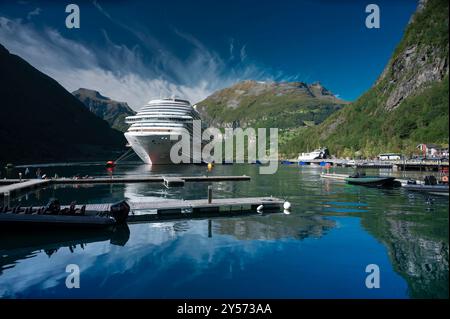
15	185
147	179
171	209
401	165
11	189
173	182
426	165
199	208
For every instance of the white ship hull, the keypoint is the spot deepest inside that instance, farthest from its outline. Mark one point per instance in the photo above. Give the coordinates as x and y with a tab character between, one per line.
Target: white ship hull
309	156
151	128
316	154
155	149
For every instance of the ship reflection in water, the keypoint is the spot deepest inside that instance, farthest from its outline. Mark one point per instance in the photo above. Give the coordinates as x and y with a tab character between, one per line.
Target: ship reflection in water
320	250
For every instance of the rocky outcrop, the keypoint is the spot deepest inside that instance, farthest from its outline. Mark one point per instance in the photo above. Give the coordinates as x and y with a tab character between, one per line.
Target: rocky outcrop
111	111
416	64
412	71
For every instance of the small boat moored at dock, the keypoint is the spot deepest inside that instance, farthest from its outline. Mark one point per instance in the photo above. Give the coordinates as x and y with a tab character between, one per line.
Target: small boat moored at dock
430	185
374	181
55	215
427	188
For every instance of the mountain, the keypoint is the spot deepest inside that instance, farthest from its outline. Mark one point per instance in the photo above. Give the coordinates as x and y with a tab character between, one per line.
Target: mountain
111	111
285	105
41	121
406	106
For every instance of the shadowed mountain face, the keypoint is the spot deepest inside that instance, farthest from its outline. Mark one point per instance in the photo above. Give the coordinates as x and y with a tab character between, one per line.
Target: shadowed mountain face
269	104
41	121
111	111
408	104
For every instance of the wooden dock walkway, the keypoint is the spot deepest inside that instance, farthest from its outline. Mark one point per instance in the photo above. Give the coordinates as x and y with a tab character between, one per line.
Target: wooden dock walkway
401	165
147	179
167	209
12	186
161	206
178	208
11	189
170	181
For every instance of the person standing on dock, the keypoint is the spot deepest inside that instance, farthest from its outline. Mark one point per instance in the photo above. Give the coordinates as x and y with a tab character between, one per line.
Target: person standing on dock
38	173
27	172
327	167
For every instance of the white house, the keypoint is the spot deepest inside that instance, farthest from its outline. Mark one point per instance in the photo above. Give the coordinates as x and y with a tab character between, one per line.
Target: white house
432	150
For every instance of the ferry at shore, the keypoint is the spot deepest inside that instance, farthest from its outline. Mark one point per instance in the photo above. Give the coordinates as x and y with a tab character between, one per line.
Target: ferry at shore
151	128
319	153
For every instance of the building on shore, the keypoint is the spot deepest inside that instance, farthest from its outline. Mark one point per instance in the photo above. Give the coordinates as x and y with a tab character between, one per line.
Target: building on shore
432	150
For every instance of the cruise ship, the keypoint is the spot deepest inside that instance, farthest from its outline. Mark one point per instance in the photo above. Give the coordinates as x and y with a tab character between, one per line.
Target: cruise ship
150	129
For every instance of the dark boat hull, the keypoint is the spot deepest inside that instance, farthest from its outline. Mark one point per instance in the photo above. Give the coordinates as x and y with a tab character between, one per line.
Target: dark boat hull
427	188
372	181
54	216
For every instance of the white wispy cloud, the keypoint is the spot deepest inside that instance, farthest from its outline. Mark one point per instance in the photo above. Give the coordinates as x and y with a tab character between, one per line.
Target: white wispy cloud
123	73
34	12
243	53
231	49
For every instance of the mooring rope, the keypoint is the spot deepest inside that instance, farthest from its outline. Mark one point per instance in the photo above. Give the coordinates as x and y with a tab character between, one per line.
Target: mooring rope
125	155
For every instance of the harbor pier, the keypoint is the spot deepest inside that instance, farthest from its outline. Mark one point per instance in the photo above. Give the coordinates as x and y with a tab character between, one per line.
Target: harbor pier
12	186
401	165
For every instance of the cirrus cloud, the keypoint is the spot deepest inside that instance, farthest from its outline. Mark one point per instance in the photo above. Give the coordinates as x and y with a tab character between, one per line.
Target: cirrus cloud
124	73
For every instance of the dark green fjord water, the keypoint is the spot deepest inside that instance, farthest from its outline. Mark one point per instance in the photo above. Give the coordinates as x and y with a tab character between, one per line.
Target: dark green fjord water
320	250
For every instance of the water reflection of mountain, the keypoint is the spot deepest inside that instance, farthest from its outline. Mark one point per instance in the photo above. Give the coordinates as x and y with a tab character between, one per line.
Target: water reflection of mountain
274	226
417	243
414	229
19	245
421	260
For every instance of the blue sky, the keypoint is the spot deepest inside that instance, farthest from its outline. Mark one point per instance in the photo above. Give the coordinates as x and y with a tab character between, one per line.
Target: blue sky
137	50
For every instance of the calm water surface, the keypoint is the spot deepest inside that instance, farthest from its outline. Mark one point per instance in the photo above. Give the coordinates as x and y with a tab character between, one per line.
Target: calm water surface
320	250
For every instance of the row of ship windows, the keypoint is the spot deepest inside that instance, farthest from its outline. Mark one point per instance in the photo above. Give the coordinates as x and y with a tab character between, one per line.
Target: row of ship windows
165	110
165	114
176	107
148	130
168	104
133	129
160	120
186	111
157	126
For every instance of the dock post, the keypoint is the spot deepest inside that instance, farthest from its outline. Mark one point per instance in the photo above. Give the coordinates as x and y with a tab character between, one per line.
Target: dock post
7	201
209	194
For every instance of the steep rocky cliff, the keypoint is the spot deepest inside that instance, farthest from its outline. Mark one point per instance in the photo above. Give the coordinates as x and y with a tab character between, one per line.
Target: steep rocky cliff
409	102
421	58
